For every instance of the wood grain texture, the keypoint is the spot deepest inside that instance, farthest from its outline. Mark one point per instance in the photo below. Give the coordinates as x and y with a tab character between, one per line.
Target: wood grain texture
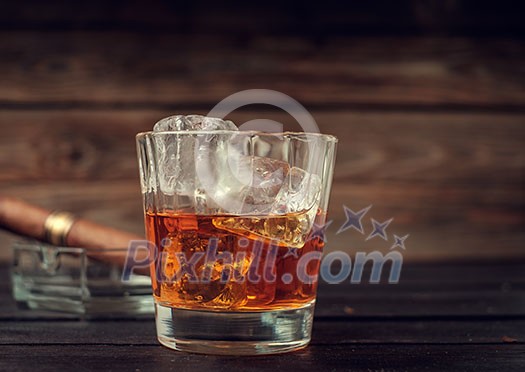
430	123
426	97
468	291
437	149
319	357
438	340
453	181
348	332
120	67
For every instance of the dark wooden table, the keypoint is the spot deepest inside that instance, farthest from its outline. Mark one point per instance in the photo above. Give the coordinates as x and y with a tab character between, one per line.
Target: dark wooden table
441	316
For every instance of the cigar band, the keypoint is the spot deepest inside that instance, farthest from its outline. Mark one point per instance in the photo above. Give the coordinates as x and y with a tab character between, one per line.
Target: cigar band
57	227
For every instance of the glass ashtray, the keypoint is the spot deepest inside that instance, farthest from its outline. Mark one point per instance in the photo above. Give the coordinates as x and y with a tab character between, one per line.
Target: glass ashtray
68	280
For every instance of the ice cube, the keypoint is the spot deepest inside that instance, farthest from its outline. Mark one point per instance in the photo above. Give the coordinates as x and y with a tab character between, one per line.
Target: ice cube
283	214
299	192
193	123
221	173
239	184
233	292
288	230
176	153
231	296
262	179
175	171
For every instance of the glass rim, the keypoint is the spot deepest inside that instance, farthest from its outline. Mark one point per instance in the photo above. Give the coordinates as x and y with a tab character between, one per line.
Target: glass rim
287	134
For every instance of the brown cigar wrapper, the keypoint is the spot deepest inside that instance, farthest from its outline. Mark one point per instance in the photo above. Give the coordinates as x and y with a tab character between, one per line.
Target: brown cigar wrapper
28	220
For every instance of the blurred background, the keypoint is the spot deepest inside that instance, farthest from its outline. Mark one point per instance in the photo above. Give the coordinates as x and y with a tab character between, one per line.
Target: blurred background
427	99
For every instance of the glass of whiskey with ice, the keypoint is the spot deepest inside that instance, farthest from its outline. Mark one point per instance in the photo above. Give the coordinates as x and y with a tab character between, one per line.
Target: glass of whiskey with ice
234	221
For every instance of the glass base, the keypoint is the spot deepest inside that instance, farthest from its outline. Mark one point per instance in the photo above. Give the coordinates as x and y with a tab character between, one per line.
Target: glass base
234	333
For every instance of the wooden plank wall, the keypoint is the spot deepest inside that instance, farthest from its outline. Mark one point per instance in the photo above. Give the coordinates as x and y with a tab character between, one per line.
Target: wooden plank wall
426	97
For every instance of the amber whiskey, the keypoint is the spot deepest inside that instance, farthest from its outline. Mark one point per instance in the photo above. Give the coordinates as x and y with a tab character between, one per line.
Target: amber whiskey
237	263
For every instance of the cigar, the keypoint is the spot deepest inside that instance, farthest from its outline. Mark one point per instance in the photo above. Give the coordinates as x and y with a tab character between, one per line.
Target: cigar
99	241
